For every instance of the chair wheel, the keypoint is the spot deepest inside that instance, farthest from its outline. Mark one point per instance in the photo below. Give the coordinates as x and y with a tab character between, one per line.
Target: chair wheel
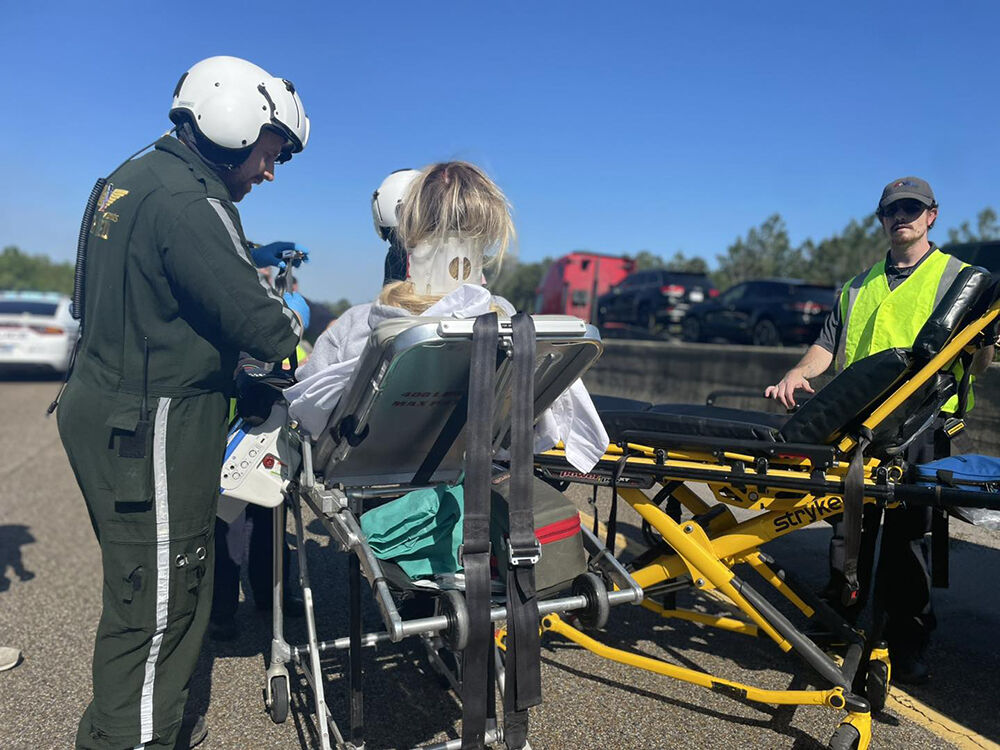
278	707
595	614
451	604
877	685
845	738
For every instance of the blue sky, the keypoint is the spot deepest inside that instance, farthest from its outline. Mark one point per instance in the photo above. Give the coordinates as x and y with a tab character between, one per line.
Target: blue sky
611	126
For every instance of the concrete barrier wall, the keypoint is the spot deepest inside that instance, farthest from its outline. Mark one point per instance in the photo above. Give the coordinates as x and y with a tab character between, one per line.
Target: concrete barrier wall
665	372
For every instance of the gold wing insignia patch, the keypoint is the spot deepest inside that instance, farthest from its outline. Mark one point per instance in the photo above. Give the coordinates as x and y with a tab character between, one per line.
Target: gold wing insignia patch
109	195
103	219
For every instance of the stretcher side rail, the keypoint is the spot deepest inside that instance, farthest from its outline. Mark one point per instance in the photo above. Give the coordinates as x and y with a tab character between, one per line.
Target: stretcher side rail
819	455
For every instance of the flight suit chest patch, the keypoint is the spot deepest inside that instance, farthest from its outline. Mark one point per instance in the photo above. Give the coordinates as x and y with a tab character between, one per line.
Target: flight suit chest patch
105	219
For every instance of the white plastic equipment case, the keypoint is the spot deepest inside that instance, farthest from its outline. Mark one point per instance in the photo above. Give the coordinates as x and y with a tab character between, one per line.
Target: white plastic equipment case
259	462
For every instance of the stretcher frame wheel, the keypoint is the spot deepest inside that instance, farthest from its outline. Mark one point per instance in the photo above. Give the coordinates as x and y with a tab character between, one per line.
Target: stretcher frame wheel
278	698
591	586
846	737
452	605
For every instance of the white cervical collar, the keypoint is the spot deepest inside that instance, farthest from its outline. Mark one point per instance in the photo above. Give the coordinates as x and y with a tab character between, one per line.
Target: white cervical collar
430	266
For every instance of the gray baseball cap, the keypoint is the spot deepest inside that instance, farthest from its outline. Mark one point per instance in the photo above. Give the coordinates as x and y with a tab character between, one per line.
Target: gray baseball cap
907	187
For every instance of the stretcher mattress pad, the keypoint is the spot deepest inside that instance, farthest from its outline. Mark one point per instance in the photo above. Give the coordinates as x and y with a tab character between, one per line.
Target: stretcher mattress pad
847	399
821	420
621	416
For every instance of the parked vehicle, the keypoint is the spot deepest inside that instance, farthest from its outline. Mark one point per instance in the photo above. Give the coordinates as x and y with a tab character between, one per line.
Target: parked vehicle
36	331
766	312
654	299
985	254
574	281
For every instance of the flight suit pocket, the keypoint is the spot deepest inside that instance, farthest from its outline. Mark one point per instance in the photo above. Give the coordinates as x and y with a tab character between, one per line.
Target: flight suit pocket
191	555
129	555
131	449
148	582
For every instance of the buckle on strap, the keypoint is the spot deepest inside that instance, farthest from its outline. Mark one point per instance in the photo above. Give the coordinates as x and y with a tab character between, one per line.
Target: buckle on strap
523	556
953	426
475	549
849	593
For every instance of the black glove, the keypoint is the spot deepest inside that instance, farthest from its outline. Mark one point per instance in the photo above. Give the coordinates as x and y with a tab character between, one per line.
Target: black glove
258	386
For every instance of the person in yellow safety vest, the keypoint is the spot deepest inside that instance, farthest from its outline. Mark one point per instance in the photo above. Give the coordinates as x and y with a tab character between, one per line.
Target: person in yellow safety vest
884	307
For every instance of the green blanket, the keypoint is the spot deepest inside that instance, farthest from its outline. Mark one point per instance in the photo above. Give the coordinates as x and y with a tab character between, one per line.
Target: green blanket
420	531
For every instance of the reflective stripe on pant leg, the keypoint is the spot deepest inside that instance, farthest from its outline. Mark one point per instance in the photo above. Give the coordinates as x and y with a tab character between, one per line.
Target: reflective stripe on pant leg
162	567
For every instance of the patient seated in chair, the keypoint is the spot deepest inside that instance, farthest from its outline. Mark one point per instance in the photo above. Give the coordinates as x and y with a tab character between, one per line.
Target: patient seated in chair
453	222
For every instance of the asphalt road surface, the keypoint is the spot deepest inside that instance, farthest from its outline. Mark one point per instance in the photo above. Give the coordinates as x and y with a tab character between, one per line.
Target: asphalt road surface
50	603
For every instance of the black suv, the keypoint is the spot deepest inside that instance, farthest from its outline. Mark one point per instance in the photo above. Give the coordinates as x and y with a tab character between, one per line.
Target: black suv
768	312
653	299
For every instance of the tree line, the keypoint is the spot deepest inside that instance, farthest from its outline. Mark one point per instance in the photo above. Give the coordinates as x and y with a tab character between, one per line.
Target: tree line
765	250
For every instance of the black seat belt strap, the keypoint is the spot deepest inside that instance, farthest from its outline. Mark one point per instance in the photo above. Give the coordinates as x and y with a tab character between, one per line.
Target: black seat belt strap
954	426
523	686
958	442
854	506
475	557
939	548
616	475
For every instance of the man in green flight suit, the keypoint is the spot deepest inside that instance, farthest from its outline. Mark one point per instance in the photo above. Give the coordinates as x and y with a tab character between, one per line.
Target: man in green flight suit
170	297
885	307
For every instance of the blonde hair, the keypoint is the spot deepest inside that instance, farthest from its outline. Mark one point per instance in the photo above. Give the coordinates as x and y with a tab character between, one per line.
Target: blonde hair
451	199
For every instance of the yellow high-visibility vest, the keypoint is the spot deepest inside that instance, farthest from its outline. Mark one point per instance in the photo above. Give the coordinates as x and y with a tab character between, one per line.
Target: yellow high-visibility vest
875	318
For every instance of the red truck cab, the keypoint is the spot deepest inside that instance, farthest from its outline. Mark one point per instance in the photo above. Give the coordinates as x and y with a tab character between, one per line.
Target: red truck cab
573	283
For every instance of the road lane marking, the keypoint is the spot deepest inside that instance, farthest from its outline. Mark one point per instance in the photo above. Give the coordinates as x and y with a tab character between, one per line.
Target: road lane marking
936	723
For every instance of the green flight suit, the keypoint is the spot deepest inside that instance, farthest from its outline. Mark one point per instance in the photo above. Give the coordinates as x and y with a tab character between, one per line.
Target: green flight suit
171	297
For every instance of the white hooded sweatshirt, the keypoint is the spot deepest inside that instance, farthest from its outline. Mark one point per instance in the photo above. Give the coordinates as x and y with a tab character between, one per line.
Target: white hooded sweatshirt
571	419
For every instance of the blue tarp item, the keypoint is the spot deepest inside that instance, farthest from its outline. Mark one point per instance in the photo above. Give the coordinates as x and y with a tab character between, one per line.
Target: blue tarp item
970	472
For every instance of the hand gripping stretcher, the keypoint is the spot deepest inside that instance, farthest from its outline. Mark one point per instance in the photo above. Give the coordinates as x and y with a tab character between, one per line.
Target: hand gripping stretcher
430	402
840	453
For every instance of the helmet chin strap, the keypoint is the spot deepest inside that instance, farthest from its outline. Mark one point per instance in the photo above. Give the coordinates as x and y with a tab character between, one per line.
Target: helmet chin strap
439	268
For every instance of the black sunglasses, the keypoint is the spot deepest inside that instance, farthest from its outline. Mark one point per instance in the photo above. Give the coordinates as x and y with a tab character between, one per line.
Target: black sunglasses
907	209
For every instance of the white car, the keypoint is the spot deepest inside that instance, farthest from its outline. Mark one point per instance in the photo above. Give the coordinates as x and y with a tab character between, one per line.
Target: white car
36	331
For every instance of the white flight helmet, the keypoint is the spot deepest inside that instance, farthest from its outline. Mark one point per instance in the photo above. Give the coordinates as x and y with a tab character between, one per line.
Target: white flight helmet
387	198
228	100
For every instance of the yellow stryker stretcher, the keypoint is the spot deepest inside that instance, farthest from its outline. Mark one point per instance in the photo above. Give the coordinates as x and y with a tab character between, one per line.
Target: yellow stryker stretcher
842	449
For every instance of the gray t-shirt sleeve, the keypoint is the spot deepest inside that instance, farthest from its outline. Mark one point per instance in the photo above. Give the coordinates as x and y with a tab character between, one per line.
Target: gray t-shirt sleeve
832	327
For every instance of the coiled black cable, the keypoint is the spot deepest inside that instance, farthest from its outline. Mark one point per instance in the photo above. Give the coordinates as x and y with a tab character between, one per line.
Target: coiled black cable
81	248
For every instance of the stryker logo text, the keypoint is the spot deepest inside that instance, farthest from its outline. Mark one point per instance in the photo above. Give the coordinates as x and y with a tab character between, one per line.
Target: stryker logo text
810	514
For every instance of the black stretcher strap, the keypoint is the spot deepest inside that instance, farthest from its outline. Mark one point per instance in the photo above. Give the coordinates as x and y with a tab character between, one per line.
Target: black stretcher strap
476	684
593	508
443	443
955	427
940	569
854	505
523	686
620	464
960	442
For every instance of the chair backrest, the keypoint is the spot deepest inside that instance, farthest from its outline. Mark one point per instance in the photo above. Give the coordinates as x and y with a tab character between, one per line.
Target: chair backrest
401	422
849	398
